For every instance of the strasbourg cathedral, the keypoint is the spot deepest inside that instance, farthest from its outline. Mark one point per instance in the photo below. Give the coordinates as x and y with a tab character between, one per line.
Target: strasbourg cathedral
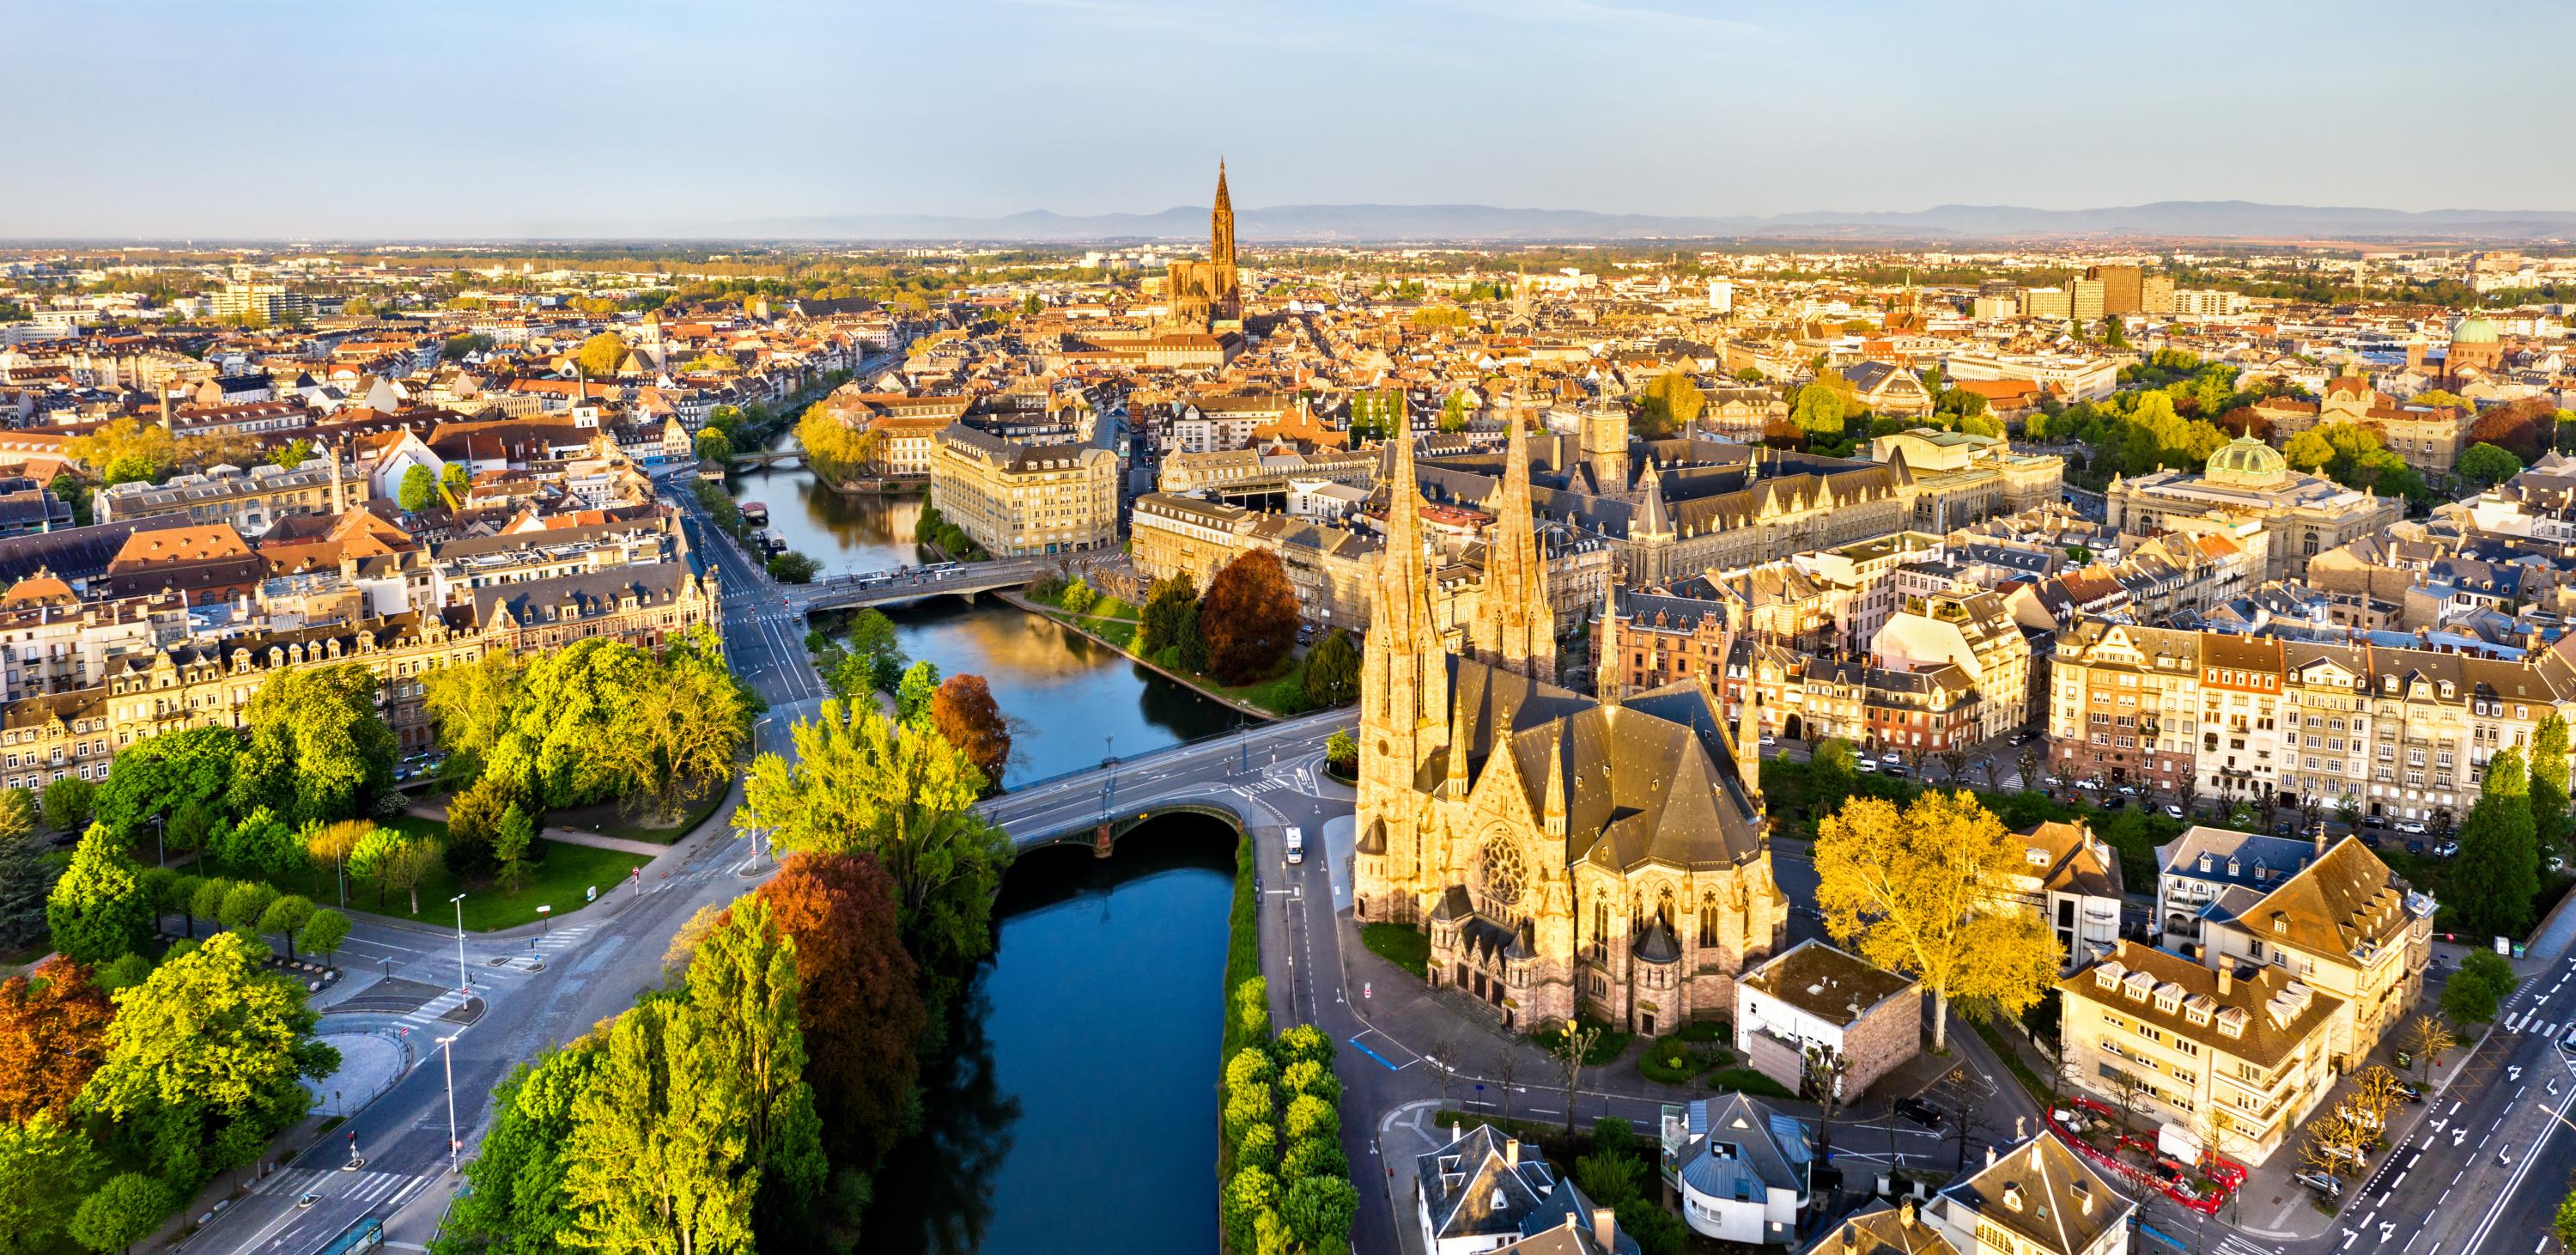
1605	855
1209	293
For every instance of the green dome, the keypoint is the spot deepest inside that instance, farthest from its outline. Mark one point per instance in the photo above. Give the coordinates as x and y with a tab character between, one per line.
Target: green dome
2248	462
2474	329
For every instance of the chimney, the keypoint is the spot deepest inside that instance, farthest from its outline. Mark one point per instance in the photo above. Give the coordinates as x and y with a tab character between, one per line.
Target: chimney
1906	1215
1851	1237
1512	1153
2226	979
1990	1155
1605	1228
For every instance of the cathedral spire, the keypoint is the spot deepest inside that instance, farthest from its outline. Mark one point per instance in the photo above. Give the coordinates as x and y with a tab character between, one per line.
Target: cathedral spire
1554	817
1460	738
1748	735
1515	629
1605	669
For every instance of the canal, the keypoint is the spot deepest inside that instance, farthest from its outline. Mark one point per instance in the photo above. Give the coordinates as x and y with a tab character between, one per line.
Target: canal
1075	1109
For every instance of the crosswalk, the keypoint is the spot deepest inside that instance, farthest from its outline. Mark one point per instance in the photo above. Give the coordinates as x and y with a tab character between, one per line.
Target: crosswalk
367	1189
510	969
2237	1244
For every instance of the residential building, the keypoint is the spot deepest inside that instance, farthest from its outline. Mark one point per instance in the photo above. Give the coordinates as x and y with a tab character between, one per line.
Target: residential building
1489	1191
2072	878
2122	288
1740	1169
1898	1228
1016	499
2192	869
249	500
1976	633
1814	998
2038	1198
2220	1061
2343	925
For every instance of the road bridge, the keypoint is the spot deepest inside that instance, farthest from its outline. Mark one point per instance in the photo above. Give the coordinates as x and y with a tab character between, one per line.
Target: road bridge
1216	776
887	588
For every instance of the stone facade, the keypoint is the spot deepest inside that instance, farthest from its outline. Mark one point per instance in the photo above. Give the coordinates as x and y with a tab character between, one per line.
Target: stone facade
1564	853
1208	292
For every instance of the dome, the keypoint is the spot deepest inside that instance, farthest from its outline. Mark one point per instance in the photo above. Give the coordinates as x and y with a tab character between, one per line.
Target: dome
2248	462
2474	329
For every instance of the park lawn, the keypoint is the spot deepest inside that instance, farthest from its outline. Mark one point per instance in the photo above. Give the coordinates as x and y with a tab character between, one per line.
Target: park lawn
1259	692
1111	608
1400	944
613	820
558	881
1608	1047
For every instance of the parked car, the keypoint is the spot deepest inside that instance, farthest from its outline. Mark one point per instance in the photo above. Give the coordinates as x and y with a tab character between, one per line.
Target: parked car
1920	1112
1891	756
2116	804
2128	790
2092	786
2412	827
2281	829
1869	765
2172	811
2321	1183
2414	847
2449	848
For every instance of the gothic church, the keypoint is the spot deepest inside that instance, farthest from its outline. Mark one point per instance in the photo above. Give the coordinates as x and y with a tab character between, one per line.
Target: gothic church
1565	853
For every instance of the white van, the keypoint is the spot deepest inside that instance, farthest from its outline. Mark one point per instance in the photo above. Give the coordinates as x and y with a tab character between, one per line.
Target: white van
1296	846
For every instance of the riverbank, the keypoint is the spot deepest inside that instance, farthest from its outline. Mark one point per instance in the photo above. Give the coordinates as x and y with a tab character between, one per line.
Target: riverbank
1201	684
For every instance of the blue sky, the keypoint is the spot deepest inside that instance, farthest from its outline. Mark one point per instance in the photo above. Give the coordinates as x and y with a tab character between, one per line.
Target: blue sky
463	118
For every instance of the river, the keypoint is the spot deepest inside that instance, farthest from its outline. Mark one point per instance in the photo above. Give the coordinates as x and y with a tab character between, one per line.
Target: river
1076	1108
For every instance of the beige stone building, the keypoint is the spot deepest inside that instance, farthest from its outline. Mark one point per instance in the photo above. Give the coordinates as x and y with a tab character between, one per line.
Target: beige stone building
2343	925
2232	1065
1564	853
1815	997
2302	515
1017	499
1975	632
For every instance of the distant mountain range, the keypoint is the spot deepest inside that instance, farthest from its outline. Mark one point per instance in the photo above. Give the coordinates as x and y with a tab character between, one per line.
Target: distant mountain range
2226	219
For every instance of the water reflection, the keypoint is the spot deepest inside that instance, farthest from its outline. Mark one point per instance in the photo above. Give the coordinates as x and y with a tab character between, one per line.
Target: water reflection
1077	1112
843	533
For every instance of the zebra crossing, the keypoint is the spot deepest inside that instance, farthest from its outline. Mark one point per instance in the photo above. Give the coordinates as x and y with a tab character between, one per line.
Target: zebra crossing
496	970
367	1189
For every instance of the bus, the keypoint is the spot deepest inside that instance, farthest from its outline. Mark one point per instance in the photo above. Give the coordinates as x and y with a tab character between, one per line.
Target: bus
367	1234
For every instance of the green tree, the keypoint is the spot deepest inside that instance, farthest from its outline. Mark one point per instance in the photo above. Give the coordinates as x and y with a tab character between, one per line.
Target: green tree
45	1168
2562	1223
292	454
244	906
1319	1211
124	1211
1170	612
2549	783
657	1156
285	919
2498	869
863	784
678	735
395	863
515	1205
1453	412
456	479
712	446
67	804
512	841
260	843
318	748
2484	463
208	1044
471	705
1333	671
27	875
1820	413
912	696
419	489
569	706
98	909
323	933
2478	988
792	567
743	975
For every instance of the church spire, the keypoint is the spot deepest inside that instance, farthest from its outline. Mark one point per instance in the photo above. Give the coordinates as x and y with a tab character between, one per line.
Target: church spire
1554	817
1221	228
1460	737
1748	735
1606	668
1515	629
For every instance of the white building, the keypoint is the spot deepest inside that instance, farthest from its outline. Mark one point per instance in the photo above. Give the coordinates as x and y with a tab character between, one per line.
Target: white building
1741	1169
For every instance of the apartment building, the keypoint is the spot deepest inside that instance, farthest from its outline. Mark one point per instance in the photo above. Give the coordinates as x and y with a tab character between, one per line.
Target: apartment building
2343	925
2226	1063
2072	878
250	500
2123	704
1016	499
1974	632
2037	1198
2194	868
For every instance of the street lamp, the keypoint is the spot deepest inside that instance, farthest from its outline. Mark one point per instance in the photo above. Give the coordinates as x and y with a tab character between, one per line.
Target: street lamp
447	1055
464	978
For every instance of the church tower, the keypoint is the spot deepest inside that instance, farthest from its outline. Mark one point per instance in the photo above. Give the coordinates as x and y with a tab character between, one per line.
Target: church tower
1221	227
1404	707
1514	627
1605	444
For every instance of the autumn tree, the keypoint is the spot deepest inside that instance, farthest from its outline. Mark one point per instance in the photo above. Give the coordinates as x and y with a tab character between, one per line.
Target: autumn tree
53	1025
2376	1091
2497	872
2428	1039
963	711
329	845
600	355
2336	1145
837	448
1670	403
1249	617
863	784
98	910
859	1006
1927	892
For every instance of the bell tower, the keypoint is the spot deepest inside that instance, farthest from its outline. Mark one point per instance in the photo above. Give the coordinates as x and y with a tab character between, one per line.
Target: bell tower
1404	708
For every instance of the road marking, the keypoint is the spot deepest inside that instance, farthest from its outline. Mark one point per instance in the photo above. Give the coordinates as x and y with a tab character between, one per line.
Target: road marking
2349	1235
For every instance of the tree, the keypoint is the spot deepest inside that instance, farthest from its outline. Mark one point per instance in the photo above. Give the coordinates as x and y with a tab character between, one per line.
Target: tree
792	567
1670	404
2484	463
2549	785
600	355
471	705
285	918
1333	671
53	1026
474	823
1170	614
1249	617
318	749
1572	1043
2376	1091
45	1168
837	448
1927	892
679	734
67	804
2478	987
209	1043
1076	597
260	842
512	841
124	1211
912	695
713	446
2498	867
858	1003
98	910
1319	1209
1342	750
244	904
456	479
419	489
743	978
963	711
329	845
395	863
323	933
656	1156
126	450
515	1204
2336	1146
27	875
1819	413
861	783
2428	1039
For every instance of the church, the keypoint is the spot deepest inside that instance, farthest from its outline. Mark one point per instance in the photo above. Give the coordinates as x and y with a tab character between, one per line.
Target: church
1209	293
1566	854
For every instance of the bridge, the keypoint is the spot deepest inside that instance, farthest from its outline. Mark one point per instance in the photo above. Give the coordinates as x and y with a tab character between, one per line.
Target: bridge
887	588
1095	806
769	457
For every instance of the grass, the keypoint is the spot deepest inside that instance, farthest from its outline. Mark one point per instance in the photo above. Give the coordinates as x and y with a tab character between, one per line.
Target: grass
1747	1081
557	881
1262	693
1718	1031
1400	944
612	820
1609	1047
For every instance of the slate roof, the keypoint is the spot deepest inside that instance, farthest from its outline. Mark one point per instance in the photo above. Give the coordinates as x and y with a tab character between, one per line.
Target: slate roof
1473	1190
1743	1149
2064	1205
1884	1230
2272	1011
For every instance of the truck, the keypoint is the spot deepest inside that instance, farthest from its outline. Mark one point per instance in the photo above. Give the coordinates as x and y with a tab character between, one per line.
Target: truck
1296	846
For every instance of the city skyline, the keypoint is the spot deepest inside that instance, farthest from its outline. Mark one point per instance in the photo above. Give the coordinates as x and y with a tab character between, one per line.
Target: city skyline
593	121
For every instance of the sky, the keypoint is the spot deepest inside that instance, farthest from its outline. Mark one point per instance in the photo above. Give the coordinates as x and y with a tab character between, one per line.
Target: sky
467	119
